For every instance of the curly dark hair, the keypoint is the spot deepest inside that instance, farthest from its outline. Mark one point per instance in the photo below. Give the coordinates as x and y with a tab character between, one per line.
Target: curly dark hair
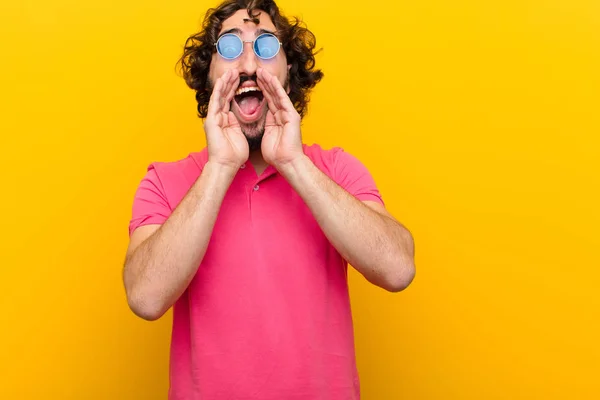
298	43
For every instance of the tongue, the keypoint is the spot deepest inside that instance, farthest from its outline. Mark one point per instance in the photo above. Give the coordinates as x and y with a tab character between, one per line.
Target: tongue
249	104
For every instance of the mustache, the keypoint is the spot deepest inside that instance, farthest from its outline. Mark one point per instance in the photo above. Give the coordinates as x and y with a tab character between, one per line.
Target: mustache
210	85
245	78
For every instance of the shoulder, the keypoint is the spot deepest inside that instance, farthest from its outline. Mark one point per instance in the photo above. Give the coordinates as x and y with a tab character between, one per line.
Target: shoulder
180	169
175	177
333	161
326	159
346	170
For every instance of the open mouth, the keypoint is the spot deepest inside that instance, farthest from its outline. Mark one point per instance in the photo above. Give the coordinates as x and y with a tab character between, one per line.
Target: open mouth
249	101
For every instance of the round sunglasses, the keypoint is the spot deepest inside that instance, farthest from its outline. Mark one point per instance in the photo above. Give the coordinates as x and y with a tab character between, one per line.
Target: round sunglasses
230	46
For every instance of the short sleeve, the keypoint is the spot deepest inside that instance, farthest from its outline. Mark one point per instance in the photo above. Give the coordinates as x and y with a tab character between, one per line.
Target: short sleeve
351	174
150	205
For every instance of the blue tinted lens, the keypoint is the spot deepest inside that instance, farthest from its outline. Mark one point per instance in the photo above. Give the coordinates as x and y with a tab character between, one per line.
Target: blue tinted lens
266	46
229	46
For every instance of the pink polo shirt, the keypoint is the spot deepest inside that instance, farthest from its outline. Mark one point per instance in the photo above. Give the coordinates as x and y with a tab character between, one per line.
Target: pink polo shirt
267	315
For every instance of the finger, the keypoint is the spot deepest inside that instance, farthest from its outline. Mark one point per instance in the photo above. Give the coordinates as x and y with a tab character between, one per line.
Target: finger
222	90
230	90
215	98
231	81
226	83
267	91
235	79
280	96
266	77
263	77
267	94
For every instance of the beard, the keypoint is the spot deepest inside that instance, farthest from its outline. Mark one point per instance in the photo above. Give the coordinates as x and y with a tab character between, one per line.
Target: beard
254	133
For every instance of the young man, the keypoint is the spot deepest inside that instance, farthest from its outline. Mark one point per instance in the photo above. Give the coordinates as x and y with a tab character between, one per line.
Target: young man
250	238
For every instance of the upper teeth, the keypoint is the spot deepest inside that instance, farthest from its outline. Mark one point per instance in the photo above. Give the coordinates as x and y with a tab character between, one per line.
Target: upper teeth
247	89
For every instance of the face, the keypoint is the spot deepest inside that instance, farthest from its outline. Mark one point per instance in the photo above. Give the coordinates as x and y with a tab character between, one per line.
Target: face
249	106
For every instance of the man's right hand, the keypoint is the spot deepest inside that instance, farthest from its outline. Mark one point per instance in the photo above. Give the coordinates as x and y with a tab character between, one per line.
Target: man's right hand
225	140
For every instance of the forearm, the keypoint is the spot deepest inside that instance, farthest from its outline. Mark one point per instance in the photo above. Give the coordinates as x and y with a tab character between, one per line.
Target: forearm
161	268
376	245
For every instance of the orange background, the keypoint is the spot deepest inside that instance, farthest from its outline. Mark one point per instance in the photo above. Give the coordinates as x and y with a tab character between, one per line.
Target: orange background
479	120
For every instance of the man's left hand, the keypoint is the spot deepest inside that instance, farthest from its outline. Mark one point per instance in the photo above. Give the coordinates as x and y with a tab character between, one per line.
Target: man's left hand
282	140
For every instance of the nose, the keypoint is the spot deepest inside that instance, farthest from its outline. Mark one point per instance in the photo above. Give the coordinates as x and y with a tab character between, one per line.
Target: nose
248	63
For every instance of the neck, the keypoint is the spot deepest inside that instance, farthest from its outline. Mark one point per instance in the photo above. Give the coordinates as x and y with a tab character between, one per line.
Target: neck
257	161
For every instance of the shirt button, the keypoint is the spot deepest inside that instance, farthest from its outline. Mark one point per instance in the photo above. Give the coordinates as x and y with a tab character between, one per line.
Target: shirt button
243	166
255	188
